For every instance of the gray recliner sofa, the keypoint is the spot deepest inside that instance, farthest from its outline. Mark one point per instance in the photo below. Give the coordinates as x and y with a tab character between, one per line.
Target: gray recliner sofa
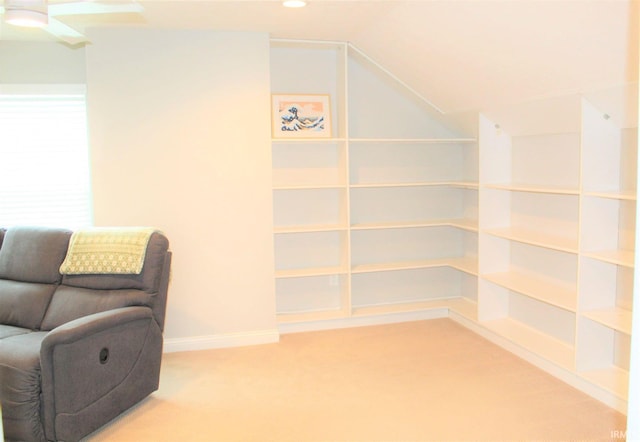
75	350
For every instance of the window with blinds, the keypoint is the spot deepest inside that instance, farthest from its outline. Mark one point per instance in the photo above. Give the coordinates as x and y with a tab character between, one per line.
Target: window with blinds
45	178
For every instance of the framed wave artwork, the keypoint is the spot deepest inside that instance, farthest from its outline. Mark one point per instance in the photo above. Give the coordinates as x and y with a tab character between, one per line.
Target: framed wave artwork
301	116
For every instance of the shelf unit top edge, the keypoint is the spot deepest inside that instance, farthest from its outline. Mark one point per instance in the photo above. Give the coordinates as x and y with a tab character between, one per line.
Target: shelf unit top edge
310	140
498	279
375	140
506	234
310	187
310	229
621	322
414	140
541	133
376	268
310	272
532	188
459	184
616	195
452	263
300	41
611	257
513	330
528	277
460	224
418	304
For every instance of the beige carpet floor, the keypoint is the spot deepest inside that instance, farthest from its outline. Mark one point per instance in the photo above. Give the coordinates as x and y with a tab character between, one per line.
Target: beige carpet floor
417	381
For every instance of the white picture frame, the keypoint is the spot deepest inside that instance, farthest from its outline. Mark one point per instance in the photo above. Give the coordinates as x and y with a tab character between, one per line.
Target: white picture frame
301	116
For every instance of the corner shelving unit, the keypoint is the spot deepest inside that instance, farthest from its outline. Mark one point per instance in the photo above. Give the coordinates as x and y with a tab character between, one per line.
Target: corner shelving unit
350	239
524	232
557	233
413	201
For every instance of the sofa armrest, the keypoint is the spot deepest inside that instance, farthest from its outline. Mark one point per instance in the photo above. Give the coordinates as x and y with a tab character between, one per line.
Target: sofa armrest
92	369
95	323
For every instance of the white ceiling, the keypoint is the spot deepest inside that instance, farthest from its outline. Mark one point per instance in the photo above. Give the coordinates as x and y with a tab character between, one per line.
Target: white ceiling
458	54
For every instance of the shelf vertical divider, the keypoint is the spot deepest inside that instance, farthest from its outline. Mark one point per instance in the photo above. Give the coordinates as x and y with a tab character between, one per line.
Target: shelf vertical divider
343	106
494	162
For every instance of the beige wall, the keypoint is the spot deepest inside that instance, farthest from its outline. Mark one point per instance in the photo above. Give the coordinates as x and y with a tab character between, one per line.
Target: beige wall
180	139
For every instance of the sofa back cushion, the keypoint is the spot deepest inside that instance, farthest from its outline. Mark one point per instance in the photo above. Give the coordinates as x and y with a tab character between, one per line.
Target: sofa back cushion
23	304
29	261
85	294
33	254
71	303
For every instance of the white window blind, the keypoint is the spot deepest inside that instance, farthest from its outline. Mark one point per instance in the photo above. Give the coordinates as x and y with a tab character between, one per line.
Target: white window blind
45	177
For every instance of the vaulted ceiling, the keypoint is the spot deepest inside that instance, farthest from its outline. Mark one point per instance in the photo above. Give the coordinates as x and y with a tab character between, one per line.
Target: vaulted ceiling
458	54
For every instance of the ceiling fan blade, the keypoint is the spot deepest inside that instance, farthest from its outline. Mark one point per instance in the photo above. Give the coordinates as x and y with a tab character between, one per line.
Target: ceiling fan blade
64	32
91	7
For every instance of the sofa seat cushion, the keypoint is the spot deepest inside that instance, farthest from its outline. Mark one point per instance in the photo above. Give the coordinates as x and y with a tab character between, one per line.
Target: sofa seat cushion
20	386
23	304
69	303
7	331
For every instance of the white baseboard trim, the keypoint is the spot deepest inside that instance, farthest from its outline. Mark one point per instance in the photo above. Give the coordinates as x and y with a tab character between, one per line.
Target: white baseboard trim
240	339
225	340
571	378
363	321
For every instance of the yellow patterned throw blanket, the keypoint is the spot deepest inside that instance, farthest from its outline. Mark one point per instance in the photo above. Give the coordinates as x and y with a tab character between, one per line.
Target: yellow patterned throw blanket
115	250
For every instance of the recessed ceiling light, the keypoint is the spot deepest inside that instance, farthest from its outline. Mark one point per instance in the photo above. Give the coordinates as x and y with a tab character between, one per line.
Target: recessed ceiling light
294	3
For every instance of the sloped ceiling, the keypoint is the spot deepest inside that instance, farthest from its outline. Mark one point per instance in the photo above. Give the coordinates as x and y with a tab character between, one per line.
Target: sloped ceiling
459	55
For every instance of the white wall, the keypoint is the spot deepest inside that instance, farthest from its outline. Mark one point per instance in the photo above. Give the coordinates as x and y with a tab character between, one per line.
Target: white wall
40	62
179	126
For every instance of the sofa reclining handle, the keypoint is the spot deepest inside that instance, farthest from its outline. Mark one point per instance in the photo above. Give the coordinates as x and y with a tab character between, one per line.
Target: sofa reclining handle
104	355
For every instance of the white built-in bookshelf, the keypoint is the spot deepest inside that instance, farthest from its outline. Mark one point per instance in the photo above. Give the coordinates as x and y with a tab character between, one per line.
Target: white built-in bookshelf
556	235
381	217
524	229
